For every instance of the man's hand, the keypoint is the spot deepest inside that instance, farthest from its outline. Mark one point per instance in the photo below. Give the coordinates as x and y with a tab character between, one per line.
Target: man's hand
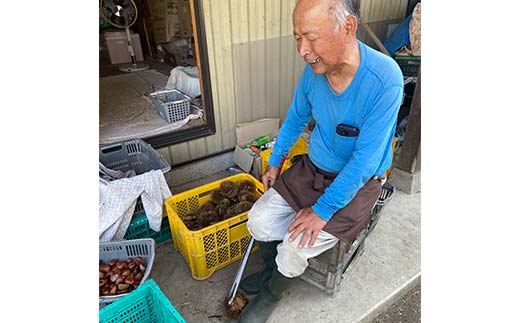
270	176
307	221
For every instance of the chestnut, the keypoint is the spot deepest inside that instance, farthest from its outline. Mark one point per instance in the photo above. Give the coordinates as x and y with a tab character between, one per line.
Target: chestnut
122	286
104	268
129	280
142	267
112	262
126	272
113	290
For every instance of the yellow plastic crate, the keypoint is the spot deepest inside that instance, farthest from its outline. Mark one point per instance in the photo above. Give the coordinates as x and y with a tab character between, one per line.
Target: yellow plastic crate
213	247
300	147
394	143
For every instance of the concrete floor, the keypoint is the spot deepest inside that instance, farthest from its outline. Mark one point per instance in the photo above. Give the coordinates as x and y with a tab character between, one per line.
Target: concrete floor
388	269
405	310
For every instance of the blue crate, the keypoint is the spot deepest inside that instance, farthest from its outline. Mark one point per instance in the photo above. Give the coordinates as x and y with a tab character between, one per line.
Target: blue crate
145	304
139	228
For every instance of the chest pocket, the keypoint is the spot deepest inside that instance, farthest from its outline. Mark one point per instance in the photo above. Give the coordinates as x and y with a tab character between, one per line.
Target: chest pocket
343	146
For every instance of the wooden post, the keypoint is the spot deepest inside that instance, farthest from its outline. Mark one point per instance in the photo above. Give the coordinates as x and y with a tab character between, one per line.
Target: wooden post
407	159
374	37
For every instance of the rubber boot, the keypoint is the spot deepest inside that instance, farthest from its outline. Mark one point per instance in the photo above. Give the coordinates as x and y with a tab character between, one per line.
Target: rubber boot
251	284
261	307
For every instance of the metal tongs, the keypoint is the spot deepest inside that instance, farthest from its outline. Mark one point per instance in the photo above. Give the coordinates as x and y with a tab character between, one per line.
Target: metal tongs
240	272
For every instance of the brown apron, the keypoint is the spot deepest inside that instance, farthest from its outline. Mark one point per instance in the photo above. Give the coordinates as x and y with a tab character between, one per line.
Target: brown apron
302	185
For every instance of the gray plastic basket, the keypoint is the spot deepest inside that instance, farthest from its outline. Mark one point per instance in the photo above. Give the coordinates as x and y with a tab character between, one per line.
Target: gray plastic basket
385	196
122	250
133	154
172	105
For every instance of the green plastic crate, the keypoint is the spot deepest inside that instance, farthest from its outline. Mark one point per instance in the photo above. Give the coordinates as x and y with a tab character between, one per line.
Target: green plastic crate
139	229
145	304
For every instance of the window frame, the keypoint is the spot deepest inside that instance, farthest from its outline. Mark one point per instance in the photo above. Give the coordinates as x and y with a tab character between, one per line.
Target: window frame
209	128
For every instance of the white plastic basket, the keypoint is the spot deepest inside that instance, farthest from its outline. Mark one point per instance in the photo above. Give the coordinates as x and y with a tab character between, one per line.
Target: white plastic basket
172	105
122	250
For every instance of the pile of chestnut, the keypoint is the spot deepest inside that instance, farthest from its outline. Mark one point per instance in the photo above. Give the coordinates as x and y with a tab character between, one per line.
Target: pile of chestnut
228	200
120	277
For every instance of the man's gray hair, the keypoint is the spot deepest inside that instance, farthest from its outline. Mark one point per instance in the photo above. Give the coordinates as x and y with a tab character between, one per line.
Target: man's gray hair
341	9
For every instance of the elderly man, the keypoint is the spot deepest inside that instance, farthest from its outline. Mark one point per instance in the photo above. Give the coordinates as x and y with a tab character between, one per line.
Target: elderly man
353	93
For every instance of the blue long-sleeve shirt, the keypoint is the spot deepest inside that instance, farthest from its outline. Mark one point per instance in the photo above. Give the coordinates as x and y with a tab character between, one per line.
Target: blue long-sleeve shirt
370	103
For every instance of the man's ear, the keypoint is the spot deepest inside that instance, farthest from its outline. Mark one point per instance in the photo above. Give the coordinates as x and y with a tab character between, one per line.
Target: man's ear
351	26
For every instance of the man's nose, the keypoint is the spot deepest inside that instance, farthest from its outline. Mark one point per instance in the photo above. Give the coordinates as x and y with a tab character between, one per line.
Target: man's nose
303	48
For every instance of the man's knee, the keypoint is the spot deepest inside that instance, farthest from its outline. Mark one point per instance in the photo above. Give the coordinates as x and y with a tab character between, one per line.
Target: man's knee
269	217
257	224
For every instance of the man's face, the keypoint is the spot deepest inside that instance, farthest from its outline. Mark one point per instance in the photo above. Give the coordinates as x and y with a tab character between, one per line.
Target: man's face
316	40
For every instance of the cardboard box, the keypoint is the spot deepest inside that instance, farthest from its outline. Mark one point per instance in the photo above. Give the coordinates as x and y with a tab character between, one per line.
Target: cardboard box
300	147
246	133
116	43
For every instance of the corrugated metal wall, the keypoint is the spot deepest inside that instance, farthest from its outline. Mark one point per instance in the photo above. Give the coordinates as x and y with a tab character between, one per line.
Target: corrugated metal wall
254	65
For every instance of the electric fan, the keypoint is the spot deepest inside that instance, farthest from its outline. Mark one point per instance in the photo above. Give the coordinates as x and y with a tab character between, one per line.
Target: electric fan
123	14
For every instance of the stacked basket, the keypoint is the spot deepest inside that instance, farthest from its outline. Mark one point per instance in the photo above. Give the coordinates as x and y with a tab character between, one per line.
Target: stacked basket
121	251
137	155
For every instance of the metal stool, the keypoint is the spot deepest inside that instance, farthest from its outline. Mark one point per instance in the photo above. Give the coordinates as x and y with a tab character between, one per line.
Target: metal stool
328	270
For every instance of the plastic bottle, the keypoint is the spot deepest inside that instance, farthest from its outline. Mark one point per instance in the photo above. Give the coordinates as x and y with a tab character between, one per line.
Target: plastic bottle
260	141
